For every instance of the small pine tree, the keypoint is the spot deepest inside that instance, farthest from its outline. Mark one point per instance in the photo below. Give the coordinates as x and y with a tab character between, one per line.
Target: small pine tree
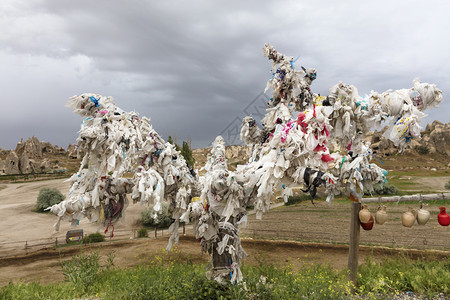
186	151
163	220
170	140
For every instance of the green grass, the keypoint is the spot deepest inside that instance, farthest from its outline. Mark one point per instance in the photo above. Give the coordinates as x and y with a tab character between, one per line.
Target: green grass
424	277
165	277
419	173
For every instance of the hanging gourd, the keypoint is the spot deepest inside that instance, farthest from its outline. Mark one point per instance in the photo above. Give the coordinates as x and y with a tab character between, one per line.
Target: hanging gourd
443	217
381	215
408	217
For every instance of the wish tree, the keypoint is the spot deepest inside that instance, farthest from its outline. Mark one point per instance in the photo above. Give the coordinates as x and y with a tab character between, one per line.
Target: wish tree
291	149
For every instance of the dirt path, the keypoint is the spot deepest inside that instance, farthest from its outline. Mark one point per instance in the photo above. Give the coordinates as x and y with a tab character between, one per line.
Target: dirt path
19	223
433	183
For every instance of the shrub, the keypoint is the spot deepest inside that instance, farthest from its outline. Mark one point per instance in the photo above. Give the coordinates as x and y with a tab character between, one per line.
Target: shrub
94	238
422	150
84	269
48	197
162	220
297	199
383	189
143	232
447	185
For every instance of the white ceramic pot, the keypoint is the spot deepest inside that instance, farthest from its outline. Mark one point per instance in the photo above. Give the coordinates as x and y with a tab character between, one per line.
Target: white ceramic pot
423	215
381	215
408	218
364	214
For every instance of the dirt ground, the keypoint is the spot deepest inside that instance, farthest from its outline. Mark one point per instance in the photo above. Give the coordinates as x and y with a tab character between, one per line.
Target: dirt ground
331	224
18	223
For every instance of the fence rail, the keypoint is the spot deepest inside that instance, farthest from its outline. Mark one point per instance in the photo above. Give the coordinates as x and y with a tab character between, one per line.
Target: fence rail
33	245
421	241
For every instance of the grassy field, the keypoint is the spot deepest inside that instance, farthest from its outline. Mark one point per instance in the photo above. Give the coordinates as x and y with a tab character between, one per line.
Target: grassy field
167	277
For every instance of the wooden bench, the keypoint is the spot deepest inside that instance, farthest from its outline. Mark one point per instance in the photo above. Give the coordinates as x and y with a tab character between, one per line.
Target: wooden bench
74	235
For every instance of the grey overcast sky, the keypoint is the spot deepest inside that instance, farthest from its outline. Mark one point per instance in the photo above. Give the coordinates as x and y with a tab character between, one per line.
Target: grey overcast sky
194	66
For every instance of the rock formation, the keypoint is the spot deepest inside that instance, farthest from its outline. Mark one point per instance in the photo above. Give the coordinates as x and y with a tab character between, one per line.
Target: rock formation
73	151
12	163
31	147
30	156
435	138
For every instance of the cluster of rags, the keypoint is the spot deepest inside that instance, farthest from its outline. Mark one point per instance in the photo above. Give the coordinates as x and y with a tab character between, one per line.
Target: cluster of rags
291	149
116	142
217	216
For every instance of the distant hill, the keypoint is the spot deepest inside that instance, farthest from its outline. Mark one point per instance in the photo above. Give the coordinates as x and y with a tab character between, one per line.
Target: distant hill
38	157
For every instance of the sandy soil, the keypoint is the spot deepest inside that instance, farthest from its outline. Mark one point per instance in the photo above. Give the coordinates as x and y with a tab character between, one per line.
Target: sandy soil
19	223
433	183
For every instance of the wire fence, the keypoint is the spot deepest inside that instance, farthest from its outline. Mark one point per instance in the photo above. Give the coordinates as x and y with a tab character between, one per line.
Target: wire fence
421	241
33	245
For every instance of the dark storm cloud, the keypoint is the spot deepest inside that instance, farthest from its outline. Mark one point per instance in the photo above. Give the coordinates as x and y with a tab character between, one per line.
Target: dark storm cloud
193	66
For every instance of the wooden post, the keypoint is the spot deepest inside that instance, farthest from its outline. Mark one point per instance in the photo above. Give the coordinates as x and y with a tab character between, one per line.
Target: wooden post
26	247
184	229
156	233
354	243
56	241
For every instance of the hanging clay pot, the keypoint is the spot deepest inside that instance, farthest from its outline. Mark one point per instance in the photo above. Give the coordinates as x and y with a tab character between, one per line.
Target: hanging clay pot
423	215
443	217
408	218
381	215
368	225
364	214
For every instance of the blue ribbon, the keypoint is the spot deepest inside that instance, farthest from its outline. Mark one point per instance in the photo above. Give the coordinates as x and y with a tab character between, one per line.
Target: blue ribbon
378	159
293	61
95	101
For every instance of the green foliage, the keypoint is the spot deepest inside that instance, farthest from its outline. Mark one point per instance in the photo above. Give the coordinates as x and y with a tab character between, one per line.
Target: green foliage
403	274
48	197
383	189
162	220
143	232
297	199
447	185
170	140
169	278
84	269
96	237
422	150
186	151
